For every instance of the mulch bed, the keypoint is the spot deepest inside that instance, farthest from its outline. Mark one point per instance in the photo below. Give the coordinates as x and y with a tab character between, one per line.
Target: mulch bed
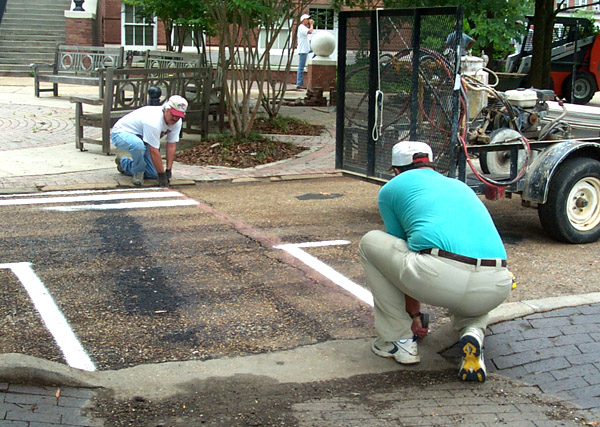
250	153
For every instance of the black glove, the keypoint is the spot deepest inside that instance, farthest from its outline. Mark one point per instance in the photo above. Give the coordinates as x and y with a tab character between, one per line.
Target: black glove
163	181
168	171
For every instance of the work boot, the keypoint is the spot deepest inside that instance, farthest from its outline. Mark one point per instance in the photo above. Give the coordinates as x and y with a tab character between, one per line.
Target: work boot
118	162
472	366
138	179
403	351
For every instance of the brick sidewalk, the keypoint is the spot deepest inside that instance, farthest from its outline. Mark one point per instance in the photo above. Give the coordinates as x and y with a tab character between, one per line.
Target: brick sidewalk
23	405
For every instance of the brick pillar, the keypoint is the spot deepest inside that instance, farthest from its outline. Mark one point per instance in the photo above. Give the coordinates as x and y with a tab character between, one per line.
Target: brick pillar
81	29
321	72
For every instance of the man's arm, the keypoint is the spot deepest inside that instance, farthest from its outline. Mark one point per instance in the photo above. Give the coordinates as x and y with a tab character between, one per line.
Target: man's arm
171	147
156	159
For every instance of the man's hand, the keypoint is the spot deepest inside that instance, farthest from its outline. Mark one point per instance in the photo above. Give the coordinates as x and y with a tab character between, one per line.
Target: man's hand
162	179
168	172
417	327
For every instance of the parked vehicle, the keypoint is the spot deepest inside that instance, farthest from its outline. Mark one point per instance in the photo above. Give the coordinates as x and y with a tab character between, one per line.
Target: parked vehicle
575	61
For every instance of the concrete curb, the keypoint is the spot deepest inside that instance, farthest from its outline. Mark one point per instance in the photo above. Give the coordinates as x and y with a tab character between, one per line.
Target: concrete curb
337	359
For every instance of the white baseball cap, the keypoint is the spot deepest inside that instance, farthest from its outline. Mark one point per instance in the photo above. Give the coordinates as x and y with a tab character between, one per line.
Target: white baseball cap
305	16
403	152
178	105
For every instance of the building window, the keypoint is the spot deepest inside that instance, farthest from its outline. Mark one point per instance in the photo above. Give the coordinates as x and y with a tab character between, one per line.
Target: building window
137	30
189	39
324	18
281	42
192	37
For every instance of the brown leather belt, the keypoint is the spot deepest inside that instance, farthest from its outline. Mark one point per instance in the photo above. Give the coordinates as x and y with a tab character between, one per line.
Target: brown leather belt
495	262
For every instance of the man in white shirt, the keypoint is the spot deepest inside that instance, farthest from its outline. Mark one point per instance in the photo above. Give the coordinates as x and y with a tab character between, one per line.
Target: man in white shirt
139	133
304	29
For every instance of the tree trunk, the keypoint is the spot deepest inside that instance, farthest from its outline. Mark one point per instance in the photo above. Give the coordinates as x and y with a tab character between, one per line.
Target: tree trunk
542	45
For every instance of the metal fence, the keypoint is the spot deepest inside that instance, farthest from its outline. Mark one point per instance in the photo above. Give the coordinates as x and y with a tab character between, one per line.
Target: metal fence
397	70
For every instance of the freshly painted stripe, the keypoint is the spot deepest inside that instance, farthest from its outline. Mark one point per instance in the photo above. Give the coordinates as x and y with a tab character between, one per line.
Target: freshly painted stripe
63	192
318	244
319	266
52	317
129	205
92	198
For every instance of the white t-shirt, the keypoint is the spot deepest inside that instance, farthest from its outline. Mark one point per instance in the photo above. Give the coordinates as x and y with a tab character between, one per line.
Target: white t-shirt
149	123
303	40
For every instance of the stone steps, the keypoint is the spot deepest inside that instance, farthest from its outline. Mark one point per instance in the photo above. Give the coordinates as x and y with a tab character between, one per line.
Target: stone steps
29	33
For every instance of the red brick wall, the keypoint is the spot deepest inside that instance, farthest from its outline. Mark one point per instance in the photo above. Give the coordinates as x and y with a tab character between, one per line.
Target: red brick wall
322	76
81	32
111	23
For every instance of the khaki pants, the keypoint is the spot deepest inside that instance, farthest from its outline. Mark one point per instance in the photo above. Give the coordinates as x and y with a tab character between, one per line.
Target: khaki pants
392	270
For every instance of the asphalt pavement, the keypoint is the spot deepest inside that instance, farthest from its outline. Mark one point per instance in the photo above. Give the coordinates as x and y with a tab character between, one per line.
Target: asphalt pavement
542	355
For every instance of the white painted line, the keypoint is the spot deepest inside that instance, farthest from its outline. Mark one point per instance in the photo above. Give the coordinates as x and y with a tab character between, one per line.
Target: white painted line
92	198
317	244
130	205
319	266
62	192
52	317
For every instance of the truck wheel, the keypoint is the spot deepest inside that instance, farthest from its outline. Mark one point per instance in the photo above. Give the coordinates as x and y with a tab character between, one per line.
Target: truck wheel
572	211
583	89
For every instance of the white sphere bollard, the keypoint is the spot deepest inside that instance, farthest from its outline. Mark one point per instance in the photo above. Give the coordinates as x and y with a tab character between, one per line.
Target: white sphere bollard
323	43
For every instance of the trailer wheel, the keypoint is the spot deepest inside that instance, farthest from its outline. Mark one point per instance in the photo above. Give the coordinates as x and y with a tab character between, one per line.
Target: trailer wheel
572	211
498	162
584	88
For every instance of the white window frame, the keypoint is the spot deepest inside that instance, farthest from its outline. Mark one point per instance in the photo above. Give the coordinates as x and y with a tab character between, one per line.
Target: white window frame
126	24
283	35
311	11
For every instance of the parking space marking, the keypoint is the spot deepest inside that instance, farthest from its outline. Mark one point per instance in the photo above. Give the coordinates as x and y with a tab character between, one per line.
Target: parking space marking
129	205
52	317
71	192
90	198
319	266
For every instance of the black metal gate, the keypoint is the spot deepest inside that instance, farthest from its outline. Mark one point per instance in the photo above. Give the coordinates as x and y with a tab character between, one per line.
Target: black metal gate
397	80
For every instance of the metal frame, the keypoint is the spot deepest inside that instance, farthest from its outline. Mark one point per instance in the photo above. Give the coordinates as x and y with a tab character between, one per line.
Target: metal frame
417	15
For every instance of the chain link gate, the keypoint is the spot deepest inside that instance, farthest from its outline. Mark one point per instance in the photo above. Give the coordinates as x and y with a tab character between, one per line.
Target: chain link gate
387	93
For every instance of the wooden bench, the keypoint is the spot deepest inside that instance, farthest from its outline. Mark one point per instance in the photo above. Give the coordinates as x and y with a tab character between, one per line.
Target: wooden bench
77	65
165	59
162	59
127	89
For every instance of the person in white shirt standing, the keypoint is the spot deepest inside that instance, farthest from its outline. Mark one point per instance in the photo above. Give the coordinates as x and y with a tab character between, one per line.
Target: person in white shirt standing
304	29
139	133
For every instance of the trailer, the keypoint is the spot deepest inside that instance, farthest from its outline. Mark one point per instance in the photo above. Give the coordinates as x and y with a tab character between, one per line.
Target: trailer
400	78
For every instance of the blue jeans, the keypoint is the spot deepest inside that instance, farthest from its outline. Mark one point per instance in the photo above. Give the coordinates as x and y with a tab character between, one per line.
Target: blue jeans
300	72
140	154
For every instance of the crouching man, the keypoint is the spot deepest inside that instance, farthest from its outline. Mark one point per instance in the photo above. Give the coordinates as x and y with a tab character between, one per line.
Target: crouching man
139	133
440	247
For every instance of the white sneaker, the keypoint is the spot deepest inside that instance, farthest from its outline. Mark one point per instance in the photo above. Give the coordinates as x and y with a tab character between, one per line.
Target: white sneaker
403	351
472	366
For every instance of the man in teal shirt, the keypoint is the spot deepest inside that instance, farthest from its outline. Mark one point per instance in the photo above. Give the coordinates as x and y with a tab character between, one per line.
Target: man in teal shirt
441	248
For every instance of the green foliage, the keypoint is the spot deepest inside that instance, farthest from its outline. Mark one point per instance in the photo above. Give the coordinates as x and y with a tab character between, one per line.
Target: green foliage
492	23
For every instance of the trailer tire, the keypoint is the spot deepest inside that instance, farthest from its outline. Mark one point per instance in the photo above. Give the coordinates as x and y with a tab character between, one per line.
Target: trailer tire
571	213
583	90
498	162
